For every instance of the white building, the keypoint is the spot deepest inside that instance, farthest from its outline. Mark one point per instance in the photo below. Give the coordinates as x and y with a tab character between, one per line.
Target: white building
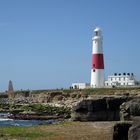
125	79
80	85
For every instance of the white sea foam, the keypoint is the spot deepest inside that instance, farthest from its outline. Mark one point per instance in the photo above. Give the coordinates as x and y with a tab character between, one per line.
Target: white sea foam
5	119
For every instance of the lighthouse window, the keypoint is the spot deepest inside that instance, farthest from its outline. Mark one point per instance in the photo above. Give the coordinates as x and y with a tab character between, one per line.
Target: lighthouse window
96	33
93	70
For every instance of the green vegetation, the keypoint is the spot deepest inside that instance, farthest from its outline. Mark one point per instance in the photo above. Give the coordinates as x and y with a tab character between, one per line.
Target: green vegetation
60	131
110	91
22	133
41	108
86	91
37	109
38	132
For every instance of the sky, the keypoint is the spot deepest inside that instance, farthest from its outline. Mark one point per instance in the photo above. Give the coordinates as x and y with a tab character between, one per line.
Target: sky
47	44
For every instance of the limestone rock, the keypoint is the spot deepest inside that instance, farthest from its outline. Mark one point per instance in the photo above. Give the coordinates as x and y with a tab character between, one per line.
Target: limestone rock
120	130
134	131
104	109
130	109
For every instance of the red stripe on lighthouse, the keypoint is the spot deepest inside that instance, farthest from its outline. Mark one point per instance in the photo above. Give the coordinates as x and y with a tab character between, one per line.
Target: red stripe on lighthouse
97	61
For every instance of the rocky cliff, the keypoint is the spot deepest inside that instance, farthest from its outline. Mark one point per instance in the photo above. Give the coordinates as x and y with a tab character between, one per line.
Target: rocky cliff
99	109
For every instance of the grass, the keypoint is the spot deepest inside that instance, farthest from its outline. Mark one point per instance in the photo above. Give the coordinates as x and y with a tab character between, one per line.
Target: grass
22	133
100	91
111	91
61	131
29	132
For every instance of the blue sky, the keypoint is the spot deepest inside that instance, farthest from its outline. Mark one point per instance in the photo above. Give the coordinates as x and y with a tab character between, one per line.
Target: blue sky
47	43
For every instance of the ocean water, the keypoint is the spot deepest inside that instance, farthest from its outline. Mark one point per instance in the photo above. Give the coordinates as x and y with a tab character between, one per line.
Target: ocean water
4	121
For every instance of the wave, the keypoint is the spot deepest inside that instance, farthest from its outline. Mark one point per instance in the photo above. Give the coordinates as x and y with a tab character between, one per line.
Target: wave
5	119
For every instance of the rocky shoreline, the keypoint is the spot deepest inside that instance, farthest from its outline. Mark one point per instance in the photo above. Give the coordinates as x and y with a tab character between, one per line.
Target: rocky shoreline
33	117
122	106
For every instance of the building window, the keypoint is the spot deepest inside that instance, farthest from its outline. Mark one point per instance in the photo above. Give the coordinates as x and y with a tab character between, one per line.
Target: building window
124	73
115	74
119	78
124	78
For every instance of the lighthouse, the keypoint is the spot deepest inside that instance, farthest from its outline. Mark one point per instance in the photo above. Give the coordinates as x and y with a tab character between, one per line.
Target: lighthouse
97	70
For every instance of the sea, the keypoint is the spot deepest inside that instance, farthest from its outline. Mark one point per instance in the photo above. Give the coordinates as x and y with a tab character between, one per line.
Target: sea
5	121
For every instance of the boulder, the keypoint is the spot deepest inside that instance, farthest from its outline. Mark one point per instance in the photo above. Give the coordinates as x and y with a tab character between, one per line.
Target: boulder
130	109
120	130
134	131
58	98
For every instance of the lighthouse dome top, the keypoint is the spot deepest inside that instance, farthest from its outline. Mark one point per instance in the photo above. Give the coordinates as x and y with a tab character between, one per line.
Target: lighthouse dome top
97	32
97	29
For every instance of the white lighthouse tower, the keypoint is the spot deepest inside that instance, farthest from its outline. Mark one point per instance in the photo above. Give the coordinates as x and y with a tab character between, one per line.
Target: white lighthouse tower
97	71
